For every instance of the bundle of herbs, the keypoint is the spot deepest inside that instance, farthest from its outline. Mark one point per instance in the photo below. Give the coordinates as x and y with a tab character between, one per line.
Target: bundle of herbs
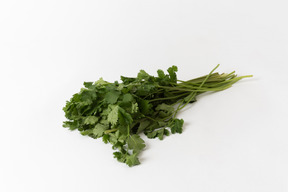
119	112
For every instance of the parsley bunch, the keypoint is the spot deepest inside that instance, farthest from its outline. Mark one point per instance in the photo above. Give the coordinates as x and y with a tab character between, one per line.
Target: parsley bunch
119	112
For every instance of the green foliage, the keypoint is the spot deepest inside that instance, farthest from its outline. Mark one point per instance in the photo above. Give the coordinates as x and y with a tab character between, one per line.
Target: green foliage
99	130
113	114
176	126
90	120
119	112
112	96
135	143
158	133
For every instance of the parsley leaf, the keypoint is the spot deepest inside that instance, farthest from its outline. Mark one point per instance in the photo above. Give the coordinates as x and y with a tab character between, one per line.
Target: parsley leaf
91	120
99	129
112	96
177	125
113	114
135	143
132	160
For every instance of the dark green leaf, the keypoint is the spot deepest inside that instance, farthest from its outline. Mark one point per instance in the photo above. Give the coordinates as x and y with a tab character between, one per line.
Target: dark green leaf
124	117
91	120
105	138
124	129
113	115
143	125
172	73
161	74
177	126
88	84
99	129
120	156
132	160
72	125
86	132
158	133
112	96
127	97
135	143
142	75
144	106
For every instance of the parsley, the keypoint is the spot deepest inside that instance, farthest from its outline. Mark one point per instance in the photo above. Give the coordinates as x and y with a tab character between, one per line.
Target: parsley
119	112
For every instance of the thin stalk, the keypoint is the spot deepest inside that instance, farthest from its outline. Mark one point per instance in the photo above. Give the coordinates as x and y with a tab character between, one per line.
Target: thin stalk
194	93
166	98
232	81
110	131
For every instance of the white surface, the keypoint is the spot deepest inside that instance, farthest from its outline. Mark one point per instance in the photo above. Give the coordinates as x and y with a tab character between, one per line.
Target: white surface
233	141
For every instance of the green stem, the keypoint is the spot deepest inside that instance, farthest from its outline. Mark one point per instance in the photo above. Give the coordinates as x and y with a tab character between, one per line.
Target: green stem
194	93
166	98
232	81
110	131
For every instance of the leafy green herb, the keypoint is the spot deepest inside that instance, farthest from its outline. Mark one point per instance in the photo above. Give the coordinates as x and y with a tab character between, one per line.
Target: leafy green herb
119	112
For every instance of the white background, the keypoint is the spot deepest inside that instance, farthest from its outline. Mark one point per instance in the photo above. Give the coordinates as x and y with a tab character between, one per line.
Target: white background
233	141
